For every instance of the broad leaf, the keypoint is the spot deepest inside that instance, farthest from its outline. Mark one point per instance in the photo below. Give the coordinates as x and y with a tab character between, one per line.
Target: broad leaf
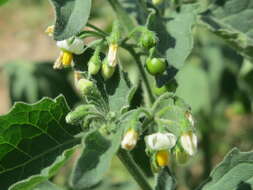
31	81
165	181
71	17
175	34
232	20
193	87
33	137
235	172
134	8
95	159
123	16
47	186
170	112
120	91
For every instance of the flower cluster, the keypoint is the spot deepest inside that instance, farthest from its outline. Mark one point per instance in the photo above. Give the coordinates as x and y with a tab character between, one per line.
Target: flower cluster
160	145
75	45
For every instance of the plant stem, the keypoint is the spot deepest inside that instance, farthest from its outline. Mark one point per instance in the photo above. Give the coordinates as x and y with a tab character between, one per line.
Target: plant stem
142	71
133	169
97	29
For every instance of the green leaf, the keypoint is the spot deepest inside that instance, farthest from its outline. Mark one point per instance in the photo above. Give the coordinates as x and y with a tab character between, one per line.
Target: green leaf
231	19
95	159
175	34
165	181
33	137
122	15
2	2
170	112
71	17
235	172
134	8
47	186
31	81
120	91
193	87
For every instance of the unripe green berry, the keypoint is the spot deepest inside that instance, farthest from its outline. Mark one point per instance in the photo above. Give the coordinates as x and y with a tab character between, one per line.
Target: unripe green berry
157	2
148	39
85	86
156	66
107	71
181	156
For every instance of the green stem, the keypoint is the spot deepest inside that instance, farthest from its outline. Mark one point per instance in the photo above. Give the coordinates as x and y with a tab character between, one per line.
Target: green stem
133	169
142	72
97	29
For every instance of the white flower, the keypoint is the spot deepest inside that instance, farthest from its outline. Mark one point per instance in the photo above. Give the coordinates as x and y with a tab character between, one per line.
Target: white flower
112	55
160	141
129	140
189	142
75	46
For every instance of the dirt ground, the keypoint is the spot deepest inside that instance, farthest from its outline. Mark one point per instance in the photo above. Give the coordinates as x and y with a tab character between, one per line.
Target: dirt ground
22	37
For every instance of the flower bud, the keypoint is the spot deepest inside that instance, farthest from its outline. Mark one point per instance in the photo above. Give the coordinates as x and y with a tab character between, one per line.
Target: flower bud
181	156
107	71
162	158
76	115
189	142
148	39
129	140
112	55
74	45
84	86
94	64
160	141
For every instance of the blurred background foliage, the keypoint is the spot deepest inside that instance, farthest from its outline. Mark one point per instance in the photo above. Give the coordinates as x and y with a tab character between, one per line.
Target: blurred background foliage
216	81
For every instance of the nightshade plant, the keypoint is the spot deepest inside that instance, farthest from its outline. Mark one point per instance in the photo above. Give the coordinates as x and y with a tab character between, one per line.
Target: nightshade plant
116	113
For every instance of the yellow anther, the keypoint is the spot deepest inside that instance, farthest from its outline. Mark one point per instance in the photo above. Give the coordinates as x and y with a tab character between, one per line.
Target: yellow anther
50	30
67	58
162	158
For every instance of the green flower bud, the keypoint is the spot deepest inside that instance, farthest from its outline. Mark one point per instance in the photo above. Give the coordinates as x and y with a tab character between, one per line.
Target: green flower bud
107	71
94	65
156	66
85	86
76	115
148	39
95	62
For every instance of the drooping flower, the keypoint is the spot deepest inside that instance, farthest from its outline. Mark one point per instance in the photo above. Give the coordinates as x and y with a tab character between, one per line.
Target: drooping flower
129	140
160	141
112	55
74	45
68	47
189	142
